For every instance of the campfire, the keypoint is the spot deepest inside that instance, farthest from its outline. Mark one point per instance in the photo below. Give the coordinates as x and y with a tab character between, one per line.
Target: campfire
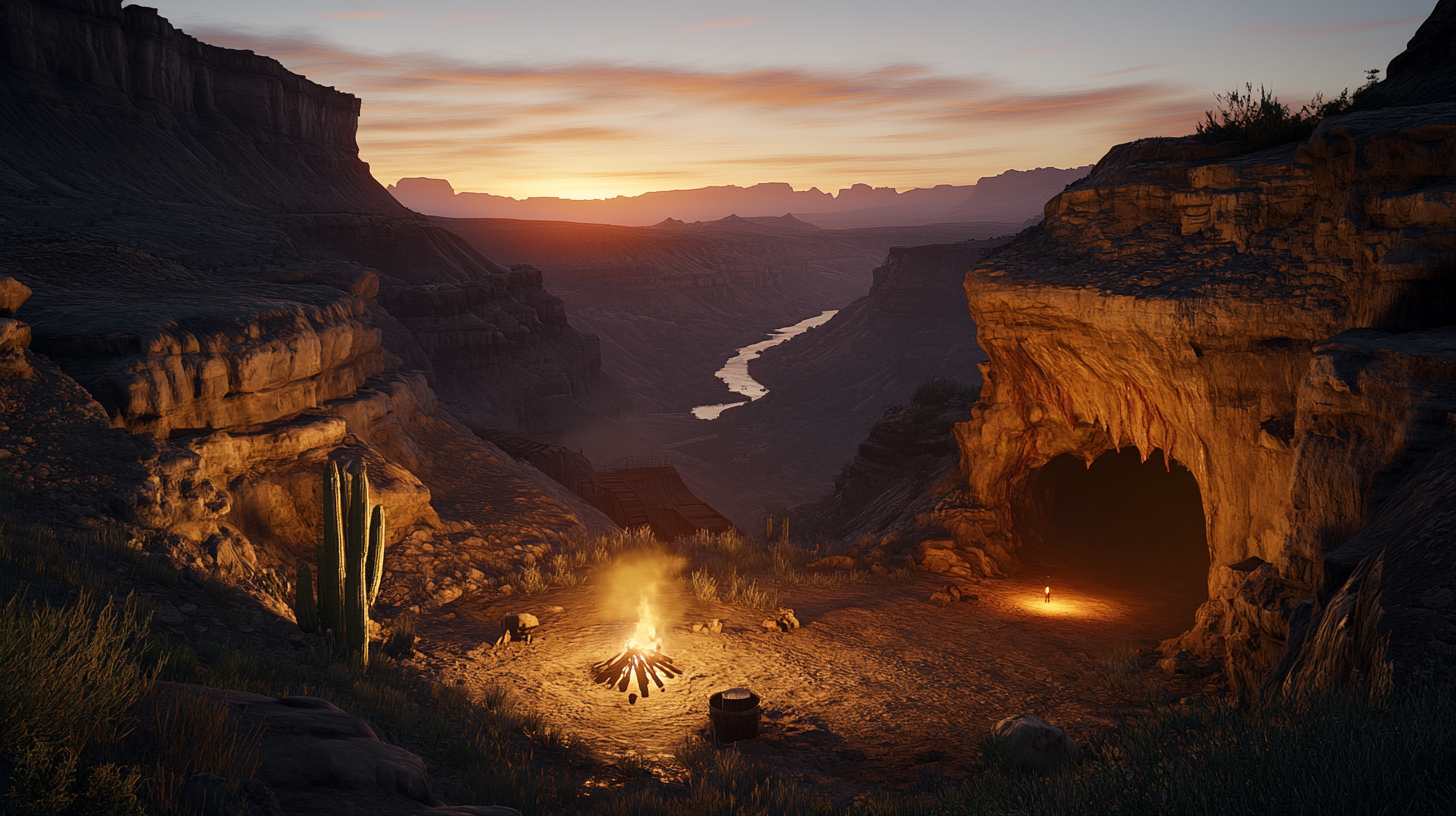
641	660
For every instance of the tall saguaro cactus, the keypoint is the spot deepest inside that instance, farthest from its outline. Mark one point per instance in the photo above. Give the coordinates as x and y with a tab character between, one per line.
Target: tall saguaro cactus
350	561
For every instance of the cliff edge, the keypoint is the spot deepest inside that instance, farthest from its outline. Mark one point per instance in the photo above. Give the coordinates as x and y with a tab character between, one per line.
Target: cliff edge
1276	321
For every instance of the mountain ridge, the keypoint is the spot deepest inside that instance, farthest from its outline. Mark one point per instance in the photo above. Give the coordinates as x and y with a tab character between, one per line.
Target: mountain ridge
1011	197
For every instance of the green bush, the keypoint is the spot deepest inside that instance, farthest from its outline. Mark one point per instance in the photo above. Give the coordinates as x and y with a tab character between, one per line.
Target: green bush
1264	121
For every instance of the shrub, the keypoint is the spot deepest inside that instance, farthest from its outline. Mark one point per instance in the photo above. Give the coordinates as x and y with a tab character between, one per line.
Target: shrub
705	586
1264	121
67	676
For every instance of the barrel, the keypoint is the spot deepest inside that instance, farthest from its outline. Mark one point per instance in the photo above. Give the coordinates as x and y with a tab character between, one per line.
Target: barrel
734	715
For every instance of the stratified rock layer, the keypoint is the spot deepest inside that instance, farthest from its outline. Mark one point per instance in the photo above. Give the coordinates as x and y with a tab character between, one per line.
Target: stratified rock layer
1187	297
205	254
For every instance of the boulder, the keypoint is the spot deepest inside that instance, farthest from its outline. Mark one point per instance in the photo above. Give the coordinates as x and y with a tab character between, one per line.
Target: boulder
319	760
1035	744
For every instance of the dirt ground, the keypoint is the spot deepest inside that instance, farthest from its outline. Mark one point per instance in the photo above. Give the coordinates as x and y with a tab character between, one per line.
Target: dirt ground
879	688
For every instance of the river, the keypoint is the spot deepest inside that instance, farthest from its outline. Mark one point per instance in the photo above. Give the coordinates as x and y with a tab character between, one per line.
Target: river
735	371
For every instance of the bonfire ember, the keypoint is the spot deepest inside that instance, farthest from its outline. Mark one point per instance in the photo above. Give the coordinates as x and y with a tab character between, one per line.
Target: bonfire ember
640	660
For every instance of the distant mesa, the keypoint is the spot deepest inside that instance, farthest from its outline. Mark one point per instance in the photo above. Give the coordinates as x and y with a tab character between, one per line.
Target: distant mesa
1012	197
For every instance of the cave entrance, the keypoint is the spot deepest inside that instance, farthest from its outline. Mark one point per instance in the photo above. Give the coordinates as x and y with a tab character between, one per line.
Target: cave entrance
1123	529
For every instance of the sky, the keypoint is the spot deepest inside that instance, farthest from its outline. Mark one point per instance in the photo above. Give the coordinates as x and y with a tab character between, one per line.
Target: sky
598	98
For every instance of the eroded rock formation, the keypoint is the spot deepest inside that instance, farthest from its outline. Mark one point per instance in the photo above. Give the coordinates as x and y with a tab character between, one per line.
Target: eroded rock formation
1270	320
207	257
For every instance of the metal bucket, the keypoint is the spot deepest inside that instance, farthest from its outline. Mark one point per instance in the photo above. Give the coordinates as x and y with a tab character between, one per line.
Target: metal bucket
734	715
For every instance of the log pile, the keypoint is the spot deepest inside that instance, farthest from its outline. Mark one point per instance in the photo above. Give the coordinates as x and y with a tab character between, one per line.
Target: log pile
635	664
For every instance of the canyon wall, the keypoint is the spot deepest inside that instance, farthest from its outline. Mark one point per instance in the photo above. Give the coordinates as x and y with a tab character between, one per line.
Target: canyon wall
1248	313
211	261
828	384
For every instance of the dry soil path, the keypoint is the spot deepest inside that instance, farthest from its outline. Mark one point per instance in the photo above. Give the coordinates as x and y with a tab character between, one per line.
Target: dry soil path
878	688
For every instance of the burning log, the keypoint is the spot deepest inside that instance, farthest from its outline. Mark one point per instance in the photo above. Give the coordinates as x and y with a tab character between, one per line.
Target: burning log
635	664
640	660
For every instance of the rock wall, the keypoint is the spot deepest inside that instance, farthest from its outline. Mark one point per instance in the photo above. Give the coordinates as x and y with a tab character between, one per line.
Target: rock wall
1183	297
213	264
254	133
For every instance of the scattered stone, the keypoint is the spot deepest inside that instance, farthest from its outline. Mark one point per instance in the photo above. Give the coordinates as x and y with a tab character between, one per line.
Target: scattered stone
784	622
713	627
448	616
952	594
1188	664
1035	744
833	562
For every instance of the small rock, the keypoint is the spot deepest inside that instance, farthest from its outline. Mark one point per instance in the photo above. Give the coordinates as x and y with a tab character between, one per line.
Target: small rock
169	615
187	608
507	589
716	627
448	616
556	610
1036	744
697	628
519	622
476	575
833	562
1187	664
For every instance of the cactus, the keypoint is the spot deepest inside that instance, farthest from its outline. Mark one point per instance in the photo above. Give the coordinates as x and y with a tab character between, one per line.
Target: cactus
304	608
331	555
375	567
356	553
351	561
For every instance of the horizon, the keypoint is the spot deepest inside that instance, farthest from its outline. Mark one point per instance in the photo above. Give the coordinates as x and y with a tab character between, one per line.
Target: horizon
834	193
585	101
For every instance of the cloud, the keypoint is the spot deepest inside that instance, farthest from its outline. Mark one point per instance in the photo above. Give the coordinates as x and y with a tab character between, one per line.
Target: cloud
1152	66
359	15
1293	29
520	128
731	22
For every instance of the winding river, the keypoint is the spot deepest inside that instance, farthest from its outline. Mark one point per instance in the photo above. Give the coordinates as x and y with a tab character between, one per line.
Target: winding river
735	371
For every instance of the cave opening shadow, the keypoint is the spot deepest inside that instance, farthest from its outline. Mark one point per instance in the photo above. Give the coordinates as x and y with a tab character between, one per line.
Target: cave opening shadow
1122	527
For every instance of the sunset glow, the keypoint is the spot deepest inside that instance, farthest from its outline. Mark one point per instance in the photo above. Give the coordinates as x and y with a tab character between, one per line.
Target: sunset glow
576	99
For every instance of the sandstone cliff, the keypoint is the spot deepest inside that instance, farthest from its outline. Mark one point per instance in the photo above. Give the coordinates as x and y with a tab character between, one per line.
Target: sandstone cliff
1250	314
213	264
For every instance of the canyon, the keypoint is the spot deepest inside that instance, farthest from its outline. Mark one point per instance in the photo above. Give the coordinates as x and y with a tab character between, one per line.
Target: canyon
1209	382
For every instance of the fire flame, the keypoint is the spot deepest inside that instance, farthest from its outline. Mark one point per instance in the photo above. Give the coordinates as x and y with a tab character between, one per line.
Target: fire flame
645	638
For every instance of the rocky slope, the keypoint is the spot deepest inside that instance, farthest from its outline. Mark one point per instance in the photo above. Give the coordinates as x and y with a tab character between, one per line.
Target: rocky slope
214	266
1275	321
